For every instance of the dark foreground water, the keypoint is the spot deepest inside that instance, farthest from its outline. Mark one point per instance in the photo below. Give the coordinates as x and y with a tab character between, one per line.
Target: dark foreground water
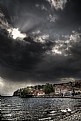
36	109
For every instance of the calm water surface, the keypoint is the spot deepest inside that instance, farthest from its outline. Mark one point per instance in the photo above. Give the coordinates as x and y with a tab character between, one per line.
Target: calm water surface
35	109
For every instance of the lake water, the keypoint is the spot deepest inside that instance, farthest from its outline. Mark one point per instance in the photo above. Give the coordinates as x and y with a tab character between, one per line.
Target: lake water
36	109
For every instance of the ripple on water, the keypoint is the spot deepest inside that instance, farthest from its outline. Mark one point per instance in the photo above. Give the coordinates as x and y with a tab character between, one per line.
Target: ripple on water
34	109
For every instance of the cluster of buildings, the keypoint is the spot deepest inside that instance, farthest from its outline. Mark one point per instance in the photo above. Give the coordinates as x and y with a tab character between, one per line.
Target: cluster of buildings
62	89
68	89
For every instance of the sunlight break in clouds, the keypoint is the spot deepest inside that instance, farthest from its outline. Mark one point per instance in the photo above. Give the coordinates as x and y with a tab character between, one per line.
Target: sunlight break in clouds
57	4
63	46
15	33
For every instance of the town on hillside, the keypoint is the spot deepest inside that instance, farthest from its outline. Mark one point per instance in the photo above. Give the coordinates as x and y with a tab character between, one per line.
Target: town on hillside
69	89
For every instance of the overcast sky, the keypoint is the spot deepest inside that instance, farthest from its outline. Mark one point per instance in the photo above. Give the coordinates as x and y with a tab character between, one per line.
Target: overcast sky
51	50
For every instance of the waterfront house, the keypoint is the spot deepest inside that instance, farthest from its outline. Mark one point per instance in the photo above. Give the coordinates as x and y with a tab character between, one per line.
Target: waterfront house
38	92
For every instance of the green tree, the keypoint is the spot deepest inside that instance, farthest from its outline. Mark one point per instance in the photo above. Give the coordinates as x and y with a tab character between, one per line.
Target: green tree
48	88
24	92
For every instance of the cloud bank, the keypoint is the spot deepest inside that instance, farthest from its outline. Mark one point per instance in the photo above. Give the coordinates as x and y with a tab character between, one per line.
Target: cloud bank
52	49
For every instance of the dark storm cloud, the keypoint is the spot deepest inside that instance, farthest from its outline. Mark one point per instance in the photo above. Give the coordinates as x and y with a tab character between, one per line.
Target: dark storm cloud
23	60
25	15
59	67
63	66
21	56
19	53
69	18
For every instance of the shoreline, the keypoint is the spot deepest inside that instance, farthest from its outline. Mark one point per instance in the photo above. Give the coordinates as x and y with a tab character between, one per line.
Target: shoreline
45	97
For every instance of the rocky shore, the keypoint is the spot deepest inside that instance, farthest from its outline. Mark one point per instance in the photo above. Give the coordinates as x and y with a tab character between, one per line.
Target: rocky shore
76	116
63	116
